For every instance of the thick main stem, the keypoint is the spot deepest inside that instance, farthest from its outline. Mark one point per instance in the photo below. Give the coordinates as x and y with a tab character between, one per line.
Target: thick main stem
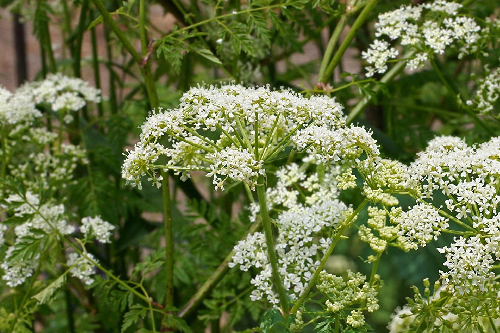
95	67
145	69
271	253
331	46
169	239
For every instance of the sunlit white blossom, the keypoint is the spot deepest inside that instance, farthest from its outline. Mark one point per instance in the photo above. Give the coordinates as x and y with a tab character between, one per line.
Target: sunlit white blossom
82	267
98	228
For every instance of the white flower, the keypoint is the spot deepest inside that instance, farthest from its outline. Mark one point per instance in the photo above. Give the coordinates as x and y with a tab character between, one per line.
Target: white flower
17	108
247	127
401	320
420	224
68	101
237	164
299	228
62	91
417	62
3	228
411	27
82	267
96	227
16	272
487	93
377	55
450	8
469	264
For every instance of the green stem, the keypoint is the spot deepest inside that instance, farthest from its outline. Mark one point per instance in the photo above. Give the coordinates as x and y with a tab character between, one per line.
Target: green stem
116	29
112	75
457	221
66	28
142	27
331	45
467	2
374	268
213	280
95	67
388	77
77	49
363	16
169	239
69	311
25	297
45	39
457	95
60	131
282	144
327	254
244	133
5	158
145	68
271	253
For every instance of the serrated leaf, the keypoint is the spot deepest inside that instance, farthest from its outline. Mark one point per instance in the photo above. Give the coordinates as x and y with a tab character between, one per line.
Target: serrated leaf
239	38
25	248
135	313
207	54
171	50
17	220
45	295
273	322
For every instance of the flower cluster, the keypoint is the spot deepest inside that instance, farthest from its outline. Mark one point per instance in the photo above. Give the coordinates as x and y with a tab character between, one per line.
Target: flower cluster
301	231
43	222
48	217
28	148
427	28
419	225
487	93
345	294
62	92
468	177
82	267
57	167
17	109
17	271
231	131
98	228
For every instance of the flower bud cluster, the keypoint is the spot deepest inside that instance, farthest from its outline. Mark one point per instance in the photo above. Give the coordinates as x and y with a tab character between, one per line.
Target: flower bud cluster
346	294
444	310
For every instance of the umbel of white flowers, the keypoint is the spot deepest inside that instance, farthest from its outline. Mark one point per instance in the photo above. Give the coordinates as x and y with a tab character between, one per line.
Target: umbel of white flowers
230	131
427	29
